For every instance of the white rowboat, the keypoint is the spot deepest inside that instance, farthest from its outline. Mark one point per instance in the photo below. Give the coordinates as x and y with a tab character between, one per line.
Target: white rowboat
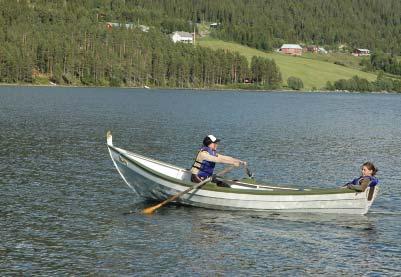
158	180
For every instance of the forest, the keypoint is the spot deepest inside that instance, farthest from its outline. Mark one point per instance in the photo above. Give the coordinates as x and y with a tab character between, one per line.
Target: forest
372	24
68	43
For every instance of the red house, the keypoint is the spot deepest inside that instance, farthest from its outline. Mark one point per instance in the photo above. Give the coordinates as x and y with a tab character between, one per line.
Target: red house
291	49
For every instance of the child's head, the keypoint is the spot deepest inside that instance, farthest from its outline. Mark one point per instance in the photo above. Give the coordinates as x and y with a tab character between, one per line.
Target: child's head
369	169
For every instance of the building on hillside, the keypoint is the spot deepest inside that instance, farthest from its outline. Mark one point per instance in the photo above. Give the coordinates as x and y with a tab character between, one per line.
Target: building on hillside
291	49
144	28
182	37
111	25
322	50
214	25
361	52
315	49
312	48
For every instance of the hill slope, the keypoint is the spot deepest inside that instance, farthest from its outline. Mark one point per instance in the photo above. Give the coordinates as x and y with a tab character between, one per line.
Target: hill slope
314	73
372	24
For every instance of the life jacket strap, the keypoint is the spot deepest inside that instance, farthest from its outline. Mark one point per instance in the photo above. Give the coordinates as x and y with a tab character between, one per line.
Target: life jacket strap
199	164
203	166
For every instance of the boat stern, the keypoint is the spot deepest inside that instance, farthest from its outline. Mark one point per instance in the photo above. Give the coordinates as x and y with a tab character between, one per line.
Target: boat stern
371	194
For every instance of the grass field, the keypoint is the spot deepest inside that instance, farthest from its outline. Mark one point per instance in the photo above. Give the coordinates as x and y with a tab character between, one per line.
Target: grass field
344	58
314	71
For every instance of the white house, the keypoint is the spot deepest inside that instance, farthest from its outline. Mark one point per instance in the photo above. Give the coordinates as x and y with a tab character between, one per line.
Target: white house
361	52
182	37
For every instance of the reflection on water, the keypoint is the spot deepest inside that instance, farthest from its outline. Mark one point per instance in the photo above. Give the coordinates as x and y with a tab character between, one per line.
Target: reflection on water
64	209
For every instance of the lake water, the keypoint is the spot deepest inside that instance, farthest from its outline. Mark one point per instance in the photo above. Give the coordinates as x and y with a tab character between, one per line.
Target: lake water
64	210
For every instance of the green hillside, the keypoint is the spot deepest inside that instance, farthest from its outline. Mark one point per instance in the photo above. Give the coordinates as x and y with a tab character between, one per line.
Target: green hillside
72	43
314	73
265	25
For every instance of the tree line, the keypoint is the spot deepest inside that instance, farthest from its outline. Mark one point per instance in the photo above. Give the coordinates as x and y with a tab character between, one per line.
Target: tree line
362	85
372	24
382	61
66	42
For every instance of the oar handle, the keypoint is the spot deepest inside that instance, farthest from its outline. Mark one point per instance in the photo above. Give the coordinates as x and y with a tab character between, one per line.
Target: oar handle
198	185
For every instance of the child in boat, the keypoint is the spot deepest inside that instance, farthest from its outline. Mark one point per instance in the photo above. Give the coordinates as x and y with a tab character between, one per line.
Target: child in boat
367	179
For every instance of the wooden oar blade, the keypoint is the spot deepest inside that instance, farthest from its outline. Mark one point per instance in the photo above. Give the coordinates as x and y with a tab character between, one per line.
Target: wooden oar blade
151	210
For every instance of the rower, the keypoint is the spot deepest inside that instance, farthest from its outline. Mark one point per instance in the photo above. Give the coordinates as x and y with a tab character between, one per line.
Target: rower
207	158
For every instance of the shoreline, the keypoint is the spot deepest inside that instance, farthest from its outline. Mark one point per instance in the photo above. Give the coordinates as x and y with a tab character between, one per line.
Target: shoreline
195	89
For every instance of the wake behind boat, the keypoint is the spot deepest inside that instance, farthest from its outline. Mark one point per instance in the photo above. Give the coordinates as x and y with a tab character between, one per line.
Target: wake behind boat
158	180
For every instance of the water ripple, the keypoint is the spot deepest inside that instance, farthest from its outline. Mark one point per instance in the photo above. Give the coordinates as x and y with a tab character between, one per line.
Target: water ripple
65	211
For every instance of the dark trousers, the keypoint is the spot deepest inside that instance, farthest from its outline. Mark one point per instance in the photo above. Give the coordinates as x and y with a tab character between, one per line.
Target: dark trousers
196	179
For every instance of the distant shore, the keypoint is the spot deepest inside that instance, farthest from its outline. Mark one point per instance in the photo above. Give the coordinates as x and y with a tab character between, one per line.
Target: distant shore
200	89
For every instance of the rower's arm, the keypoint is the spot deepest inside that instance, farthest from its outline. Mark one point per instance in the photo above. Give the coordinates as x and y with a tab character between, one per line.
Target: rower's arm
364	184
219	159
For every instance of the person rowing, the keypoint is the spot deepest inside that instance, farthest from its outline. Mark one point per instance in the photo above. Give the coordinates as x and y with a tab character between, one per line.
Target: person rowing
207	158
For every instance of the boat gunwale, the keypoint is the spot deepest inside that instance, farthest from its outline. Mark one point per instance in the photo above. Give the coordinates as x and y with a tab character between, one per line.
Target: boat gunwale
213	187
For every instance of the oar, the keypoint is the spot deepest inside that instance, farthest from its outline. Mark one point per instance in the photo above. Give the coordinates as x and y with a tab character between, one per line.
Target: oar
239	183
150	210
248	171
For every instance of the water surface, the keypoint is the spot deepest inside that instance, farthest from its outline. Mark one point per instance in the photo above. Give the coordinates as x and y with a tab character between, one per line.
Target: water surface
65	210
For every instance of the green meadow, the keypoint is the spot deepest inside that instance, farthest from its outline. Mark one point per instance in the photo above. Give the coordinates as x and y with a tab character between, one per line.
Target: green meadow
314	70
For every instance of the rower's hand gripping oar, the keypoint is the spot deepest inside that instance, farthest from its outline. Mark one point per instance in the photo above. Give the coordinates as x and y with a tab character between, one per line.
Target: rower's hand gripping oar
150	210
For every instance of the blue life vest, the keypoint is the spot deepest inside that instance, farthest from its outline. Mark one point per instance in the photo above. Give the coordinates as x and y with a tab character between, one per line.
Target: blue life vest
373	180
205	167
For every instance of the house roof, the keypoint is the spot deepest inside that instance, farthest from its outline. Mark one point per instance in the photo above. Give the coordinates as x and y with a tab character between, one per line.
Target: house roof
291	46
363	50
183	34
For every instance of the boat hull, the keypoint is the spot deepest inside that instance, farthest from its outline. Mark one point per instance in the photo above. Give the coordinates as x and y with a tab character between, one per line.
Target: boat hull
143	175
